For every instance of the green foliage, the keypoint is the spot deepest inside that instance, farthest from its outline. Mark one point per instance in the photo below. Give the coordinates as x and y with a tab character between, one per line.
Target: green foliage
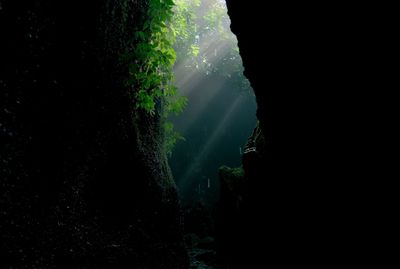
185	27
151	63
172	137
228	172
178	29
204	42
152	59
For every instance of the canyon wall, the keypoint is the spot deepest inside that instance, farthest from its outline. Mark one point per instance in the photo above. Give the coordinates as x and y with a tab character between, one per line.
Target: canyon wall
84	180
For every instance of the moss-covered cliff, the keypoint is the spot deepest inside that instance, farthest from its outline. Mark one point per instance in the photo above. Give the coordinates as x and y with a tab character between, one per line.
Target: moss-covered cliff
84	181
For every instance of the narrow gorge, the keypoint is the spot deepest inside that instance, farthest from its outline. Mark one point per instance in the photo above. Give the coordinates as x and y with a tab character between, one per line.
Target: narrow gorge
85	182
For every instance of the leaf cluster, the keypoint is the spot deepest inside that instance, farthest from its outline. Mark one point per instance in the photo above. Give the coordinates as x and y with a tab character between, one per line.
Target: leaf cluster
150	66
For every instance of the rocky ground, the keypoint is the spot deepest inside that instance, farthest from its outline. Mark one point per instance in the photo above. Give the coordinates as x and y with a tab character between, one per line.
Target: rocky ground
202	252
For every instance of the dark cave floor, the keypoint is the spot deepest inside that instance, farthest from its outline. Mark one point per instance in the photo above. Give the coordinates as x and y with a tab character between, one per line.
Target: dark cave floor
201	258
202	252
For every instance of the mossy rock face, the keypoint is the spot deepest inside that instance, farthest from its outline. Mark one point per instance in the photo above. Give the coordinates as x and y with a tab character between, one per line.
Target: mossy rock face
232	179
232	190
231	173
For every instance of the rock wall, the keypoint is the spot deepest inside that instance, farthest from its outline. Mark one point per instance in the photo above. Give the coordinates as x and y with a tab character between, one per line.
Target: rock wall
313	205
84	182
245	196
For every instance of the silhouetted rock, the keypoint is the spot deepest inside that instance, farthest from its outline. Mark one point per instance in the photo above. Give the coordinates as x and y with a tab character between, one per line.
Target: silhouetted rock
84	181
244	195
206	243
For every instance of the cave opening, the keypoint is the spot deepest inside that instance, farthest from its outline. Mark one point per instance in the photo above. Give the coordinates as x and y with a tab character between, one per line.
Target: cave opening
218	118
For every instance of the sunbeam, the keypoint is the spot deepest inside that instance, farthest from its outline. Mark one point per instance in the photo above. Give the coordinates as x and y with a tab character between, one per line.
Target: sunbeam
219	109
214	138
219	117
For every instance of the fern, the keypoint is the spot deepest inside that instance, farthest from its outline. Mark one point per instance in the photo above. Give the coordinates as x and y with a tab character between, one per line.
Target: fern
150	66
